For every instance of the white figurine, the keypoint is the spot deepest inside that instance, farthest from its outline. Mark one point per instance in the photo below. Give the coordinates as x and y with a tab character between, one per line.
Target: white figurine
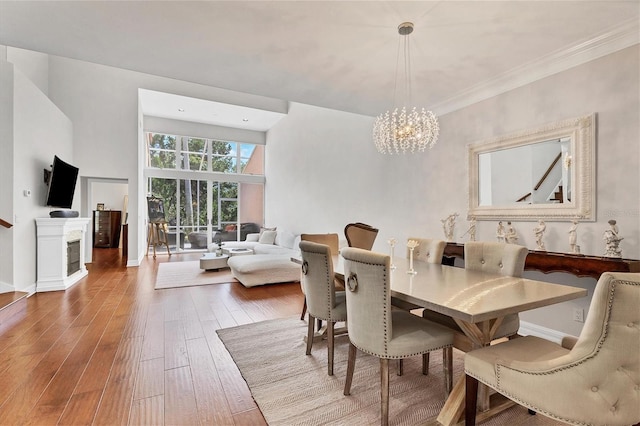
539	233
392	243
511	237
573	237
412	244
448	225
472	229
500	234
612	240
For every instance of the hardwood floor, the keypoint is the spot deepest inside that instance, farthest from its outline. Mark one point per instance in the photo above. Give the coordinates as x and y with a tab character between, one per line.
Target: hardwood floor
112	350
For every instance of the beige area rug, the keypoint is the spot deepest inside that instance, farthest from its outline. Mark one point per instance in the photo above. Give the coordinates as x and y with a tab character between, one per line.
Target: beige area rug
294	389
186	274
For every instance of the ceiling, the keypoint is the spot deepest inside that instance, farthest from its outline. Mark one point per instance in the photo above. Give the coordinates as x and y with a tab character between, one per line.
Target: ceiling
334	54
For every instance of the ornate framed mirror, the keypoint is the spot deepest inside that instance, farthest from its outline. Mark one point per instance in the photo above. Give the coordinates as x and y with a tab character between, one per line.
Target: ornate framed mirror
543	173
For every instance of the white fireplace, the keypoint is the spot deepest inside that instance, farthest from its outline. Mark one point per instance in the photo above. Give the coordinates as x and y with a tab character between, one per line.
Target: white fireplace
61	248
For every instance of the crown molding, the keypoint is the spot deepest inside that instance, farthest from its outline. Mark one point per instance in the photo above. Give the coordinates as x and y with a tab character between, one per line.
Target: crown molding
622	36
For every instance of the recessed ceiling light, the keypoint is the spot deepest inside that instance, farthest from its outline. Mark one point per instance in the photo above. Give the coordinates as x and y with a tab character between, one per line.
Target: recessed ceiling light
245	119
181	109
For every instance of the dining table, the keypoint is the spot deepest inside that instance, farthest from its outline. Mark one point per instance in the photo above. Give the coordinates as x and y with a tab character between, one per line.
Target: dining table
477	301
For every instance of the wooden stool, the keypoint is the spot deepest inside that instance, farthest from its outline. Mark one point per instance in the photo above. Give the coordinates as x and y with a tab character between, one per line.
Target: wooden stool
157	236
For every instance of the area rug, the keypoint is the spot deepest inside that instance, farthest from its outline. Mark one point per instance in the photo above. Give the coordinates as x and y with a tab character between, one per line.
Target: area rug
186	274
291	388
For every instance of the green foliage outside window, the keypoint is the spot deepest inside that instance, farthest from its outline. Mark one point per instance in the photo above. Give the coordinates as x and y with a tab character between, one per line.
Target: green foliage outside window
192	154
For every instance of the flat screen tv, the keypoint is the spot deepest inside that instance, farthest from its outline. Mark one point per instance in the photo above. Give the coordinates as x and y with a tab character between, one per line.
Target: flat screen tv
62	184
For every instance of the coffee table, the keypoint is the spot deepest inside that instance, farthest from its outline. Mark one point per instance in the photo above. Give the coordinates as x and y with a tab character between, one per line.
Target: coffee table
236	251
209	261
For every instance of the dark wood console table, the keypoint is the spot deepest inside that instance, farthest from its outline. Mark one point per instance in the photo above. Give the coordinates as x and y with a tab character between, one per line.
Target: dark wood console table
576	264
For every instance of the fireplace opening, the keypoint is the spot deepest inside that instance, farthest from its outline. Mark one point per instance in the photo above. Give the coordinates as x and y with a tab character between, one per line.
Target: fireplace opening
73	257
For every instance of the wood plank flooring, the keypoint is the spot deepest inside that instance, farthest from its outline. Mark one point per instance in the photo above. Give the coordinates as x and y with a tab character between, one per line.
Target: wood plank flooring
112	350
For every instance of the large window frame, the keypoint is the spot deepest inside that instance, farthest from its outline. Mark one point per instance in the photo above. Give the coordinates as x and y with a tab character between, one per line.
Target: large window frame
231	156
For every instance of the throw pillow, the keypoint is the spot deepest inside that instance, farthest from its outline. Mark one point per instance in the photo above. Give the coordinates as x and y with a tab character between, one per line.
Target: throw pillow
230	228
262	229
267	237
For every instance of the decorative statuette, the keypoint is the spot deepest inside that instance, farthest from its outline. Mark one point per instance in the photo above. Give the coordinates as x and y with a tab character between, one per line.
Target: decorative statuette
219	248
392	243
472	229
500	233
612	240
511	237
448	225
539	233
411	244
573	237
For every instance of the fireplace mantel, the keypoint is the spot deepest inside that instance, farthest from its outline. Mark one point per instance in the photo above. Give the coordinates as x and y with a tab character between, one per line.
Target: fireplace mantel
53	235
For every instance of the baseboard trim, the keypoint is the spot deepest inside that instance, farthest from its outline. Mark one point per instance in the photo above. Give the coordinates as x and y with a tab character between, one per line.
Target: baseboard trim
530	329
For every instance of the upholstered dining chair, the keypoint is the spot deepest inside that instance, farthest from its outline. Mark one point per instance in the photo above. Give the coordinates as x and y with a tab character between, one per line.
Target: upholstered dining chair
592	381
330	240
360	235
430	251
323	302
376	329
497	258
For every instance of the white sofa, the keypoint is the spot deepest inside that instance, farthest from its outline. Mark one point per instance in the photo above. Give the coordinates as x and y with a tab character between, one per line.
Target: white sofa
271	262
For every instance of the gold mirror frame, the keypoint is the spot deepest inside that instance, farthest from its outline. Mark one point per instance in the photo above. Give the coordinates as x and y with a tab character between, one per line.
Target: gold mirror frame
582	134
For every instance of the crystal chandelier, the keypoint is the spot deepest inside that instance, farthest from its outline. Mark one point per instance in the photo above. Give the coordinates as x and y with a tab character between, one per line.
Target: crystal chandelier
407	128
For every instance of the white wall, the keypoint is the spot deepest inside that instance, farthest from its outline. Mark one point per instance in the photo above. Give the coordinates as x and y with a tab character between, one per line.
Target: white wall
6	173
323	171
34	65
320	159
608	86
102	102
110	193
39	131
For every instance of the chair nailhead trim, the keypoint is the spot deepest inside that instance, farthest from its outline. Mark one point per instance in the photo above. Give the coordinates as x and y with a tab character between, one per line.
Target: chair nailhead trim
404	356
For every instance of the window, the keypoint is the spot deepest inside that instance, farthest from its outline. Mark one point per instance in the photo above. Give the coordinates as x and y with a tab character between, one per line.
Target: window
194	154
207	184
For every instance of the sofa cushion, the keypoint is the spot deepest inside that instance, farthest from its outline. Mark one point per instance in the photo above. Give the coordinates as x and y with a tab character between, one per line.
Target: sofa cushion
267	237
263	228
262	269
285	239
253	237
273	249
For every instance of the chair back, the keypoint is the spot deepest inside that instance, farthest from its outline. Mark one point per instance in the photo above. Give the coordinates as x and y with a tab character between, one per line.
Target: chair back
330	240
597	381
368	299
497	258
360	235
428	250
317	279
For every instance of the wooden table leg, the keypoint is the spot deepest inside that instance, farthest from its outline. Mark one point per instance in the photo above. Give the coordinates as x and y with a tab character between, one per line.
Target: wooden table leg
454	405
480	335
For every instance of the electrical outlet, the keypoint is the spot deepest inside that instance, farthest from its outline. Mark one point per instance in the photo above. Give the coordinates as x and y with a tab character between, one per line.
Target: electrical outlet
578	315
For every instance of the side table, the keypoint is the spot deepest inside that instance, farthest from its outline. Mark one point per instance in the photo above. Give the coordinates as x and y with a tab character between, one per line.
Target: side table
209	261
